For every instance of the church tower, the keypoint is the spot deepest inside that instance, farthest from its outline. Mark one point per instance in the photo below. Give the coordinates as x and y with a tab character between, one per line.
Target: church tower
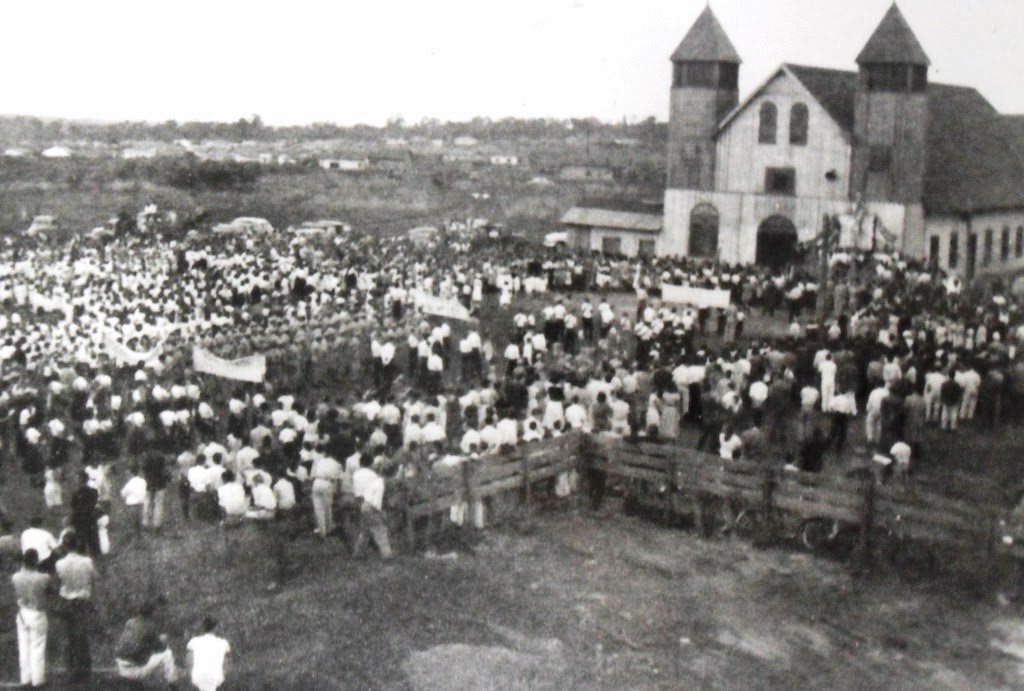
705	87
891	115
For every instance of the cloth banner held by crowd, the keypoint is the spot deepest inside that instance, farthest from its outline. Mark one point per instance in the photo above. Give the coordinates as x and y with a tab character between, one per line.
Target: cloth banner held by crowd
699	297
251	369
452	309
122	354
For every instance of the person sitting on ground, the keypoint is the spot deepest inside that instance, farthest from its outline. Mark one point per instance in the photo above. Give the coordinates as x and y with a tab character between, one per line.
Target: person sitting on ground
207	657
264	502
231	498
142	653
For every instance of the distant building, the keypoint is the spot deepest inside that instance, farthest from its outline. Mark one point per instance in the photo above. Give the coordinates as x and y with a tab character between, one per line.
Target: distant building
504	160
586	173
17	152
56	152
132	153
345	164
614	232
465	141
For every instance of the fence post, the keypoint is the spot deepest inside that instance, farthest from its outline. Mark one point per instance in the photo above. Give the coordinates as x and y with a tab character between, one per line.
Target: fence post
410	497
767	532
863	556
527	490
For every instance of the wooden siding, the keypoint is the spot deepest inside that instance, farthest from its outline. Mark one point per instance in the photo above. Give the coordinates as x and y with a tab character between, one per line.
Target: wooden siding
741	160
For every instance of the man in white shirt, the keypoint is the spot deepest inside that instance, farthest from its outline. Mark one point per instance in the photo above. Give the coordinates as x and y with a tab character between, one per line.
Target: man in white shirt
368	487
41	540
206	656
873	419
969	379
284	494
134	495
264	501
827	368
231	498
326	473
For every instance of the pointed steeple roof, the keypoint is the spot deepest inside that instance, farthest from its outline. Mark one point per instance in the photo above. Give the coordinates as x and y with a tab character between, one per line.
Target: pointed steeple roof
706	42
893	42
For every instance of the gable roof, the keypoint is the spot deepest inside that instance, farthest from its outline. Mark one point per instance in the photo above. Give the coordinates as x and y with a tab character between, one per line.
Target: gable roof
893	42
706	41
833	89
974	158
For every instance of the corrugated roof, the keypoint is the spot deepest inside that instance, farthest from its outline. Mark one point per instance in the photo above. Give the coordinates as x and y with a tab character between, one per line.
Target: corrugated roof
706	41
893	42
606	218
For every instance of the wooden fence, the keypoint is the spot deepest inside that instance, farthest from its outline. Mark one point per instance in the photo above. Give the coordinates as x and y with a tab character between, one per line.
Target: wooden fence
681	481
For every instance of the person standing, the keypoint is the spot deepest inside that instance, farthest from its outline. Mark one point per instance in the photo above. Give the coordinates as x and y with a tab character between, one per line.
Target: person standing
207	654
368	487
326	474
84	514
154	471
76	573
30	587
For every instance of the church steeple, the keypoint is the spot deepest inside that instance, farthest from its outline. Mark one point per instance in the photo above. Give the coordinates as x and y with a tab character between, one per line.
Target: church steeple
892	43
891	114
705	87
706	41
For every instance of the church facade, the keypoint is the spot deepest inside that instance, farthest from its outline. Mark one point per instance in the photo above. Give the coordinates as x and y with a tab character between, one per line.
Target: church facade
929	169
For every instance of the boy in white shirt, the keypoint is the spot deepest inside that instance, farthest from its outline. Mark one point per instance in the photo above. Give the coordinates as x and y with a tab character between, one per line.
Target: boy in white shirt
207	655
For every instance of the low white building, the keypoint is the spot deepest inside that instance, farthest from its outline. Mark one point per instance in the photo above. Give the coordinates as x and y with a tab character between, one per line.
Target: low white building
345	164
612	232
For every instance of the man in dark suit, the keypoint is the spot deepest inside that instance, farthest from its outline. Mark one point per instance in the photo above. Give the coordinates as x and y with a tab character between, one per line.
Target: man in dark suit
84	514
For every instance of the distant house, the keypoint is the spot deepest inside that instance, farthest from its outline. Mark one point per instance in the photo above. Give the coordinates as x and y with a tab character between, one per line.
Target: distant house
466	157
504	160
345	164
133	152
626	141
465	141
56	152
586	173
17	152
395	141
613	232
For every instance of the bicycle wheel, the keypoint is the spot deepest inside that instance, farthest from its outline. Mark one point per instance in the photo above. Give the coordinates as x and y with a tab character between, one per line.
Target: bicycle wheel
747	524
815	534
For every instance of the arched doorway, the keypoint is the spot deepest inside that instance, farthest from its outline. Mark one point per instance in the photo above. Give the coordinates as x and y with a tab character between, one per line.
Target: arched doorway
703	231
776	242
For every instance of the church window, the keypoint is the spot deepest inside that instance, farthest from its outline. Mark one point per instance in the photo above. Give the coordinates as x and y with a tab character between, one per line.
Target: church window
1019	249
728	76
798	117
769	120
780	181
986	251
954	250
1004	245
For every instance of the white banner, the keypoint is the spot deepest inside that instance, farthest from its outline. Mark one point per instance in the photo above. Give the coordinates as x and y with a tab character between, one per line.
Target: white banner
252	368
452	309
700	297
122	354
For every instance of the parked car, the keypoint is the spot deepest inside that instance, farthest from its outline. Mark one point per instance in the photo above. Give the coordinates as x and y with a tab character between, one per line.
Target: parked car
42	225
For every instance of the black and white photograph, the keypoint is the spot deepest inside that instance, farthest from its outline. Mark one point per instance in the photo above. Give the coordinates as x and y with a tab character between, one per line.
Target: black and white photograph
548	345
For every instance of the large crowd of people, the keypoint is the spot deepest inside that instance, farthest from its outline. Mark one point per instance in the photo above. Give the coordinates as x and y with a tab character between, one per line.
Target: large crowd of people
365	387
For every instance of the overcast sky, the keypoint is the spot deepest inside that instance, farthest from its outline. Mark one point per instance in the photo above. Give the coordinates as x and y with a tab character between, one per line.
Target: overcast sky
365	61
